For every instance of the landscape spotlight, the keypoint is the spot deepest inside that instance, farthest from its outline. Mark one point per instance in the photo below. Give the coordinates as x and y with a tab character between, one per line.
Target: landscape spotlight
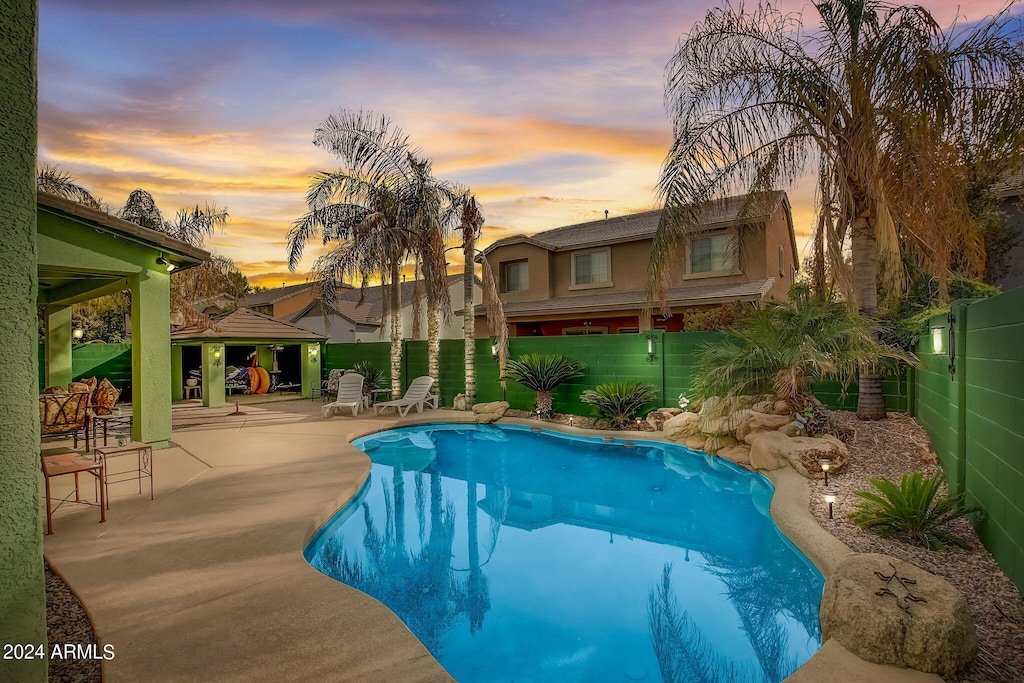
78	333
825	464
830	497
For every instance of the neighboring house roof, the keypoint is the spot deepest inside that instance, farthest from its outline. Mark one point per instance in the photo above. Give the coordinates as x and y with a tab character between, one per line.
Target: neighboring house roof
357	315
187	255
369	312
693	295
272	296
243	323
219	302
719	212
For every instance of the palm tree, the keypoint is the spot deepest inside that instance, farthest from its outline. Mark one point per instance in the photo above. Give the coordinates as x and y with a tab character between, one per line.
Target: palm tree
383	208
784	348
56	181
543	374
878	97
472	226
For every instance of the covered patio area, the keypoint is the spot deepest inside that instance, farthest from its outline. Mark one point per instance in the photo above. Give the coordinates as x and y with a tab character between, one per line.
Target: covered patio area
83	254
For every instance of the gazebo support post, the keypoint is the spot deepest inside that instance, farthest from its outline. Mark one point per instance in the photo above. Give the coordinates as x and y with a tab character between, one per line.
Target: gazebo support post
177	374
213	375
310	359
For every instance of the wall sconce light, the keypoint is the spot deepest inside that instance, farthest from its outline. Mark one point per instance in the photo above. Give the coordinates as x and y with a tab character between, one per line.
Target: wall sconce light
314	353
825	464
217	353
830	497
78	333
164	262
937	340
650	348
494	350
177	318
951	319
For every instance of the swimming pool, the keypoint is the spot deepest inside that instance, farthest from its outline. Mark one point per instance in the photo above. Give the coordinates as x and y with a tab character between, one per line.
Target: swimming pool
515	555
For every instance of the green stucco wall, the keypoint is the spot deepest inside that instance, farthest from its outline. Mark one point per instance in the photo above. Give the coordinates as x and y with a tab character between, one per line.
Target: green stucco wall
311	355
976	418
609	358
22	595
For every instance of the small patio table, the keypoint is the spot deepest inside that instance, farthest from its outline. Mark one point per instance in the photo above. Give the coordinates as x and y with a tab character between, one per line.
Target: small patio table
61	461
144	466
118	422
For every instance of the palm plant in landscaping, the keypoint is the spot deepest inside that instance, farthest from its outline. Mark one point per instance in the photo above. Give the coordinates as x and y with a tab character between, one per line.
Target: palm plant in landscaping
373	377
619	402
543	374
782	349
911	510
891	113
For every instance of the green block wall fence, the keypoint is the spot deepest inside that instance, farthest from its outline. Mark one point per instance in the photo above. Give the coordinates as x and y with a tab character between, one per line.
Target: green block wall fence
113	361
976	416
609	358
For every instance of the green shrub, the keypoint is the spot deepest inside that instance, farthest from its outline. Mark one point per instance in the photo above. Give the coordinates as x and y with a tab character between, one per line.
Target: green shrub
373	378
911	511
542	374
620	402
717	318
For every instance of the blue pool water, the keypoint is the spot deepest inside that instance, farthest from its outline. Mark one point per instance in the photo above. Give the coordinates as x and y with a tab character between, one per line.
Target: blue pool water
522	556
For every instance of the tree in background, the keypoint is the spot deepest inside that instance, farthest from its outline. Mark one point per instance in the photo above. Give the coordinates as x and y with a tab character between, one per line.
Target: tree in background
56	181
891	112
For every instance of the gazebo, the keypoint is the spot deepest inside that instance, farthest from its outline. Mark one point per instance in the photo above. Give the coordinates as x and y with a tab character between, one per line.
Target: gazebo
244	337
85	253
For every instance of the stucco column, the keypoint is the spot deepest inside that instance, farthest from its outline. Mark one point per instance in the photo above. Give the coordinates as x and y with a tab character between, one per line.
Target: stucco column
22	594
57	321
310	357
151	356
213	375
177	374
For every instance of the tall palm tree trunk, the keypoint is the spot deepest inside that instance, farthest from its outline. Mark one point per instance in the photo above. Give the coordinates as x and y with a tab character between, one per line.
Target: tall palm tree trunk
395	294
433	343
469	314
870	402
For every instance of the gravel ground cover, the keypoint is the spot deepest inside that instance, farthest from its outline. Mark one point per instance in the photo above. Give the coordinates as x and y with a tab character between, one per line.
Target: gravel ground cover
67	622
889	448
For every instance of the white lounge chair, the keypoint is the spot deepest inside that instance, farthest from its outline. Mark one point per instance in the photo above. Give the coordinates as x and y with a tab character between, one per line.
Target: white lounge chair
417	394
350	395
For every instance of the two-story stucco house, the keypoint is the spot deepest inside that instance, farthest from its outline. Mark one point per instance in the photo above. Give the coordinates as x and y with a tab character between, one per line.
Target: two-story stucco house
591	278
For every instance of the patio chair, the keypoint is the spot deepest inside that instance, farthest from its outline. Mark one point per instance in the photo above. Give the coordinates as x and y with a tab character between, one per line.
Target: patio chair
417	394
350	395
63	414
330	385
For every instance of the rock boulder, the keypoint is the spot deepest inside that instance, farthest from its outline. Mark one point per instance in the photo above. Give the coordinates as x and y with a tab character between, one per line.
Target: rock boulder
489	412
718	442
681	426
739	454
759	422
695	442
774	450
877	616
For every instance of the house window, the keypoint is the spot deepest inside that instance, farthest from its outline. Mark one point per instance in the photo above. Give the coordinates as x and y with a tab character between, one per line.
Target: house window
590	268
585	329
516	276
712	254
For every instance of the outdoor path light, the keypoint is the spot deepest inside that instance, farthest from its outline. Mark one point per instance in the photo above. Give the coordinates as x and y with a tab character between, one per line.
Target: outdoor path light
825	464
830	498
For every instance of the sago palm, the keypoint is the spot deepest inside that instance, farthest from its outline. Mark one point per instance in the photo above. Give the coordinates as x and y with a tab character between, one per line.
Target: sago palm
911	510
875	100
620	402
543	374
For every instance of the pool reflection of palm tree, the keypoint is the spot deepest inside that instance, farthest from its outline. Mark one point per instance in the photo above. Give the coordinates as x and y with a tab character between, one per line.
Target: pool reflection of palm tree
760	592
419	586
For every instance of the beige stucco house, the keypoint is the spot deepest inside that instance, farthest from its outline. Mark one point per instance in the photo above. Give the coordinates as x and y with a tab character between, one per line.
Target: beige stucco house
591	278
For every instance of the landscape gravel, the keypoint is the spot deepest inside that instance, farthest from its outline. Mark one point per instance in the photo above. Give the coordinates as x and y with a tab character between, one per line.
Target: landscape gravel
67	622
888	449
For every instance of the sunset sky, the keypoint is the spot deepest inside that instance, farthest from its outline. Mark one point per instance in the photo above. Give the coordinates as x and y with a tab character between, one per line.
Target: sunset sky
551	111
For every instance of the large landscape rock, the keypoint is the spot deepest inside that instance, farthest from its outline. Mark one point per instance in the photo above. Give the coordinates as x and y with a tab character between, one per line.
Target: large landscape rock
723	425
490	412
775	450
681	427
695	442
878	616
739	454
759	422
718	442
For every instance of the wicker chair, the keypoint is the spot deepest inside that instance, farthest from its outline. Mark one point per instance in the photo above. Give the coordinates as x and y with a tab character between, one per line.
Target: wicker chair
63	414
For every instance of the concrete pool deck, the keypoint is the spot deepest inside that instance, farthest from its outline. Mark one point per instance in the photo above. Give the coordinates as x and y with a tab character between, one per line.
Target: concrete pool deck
208	582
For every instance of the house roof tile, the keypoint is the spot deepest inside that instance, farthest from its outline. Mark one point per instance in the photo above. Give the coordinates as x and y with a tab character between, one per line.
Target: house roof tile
691	295
243	323
645	224
272	296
